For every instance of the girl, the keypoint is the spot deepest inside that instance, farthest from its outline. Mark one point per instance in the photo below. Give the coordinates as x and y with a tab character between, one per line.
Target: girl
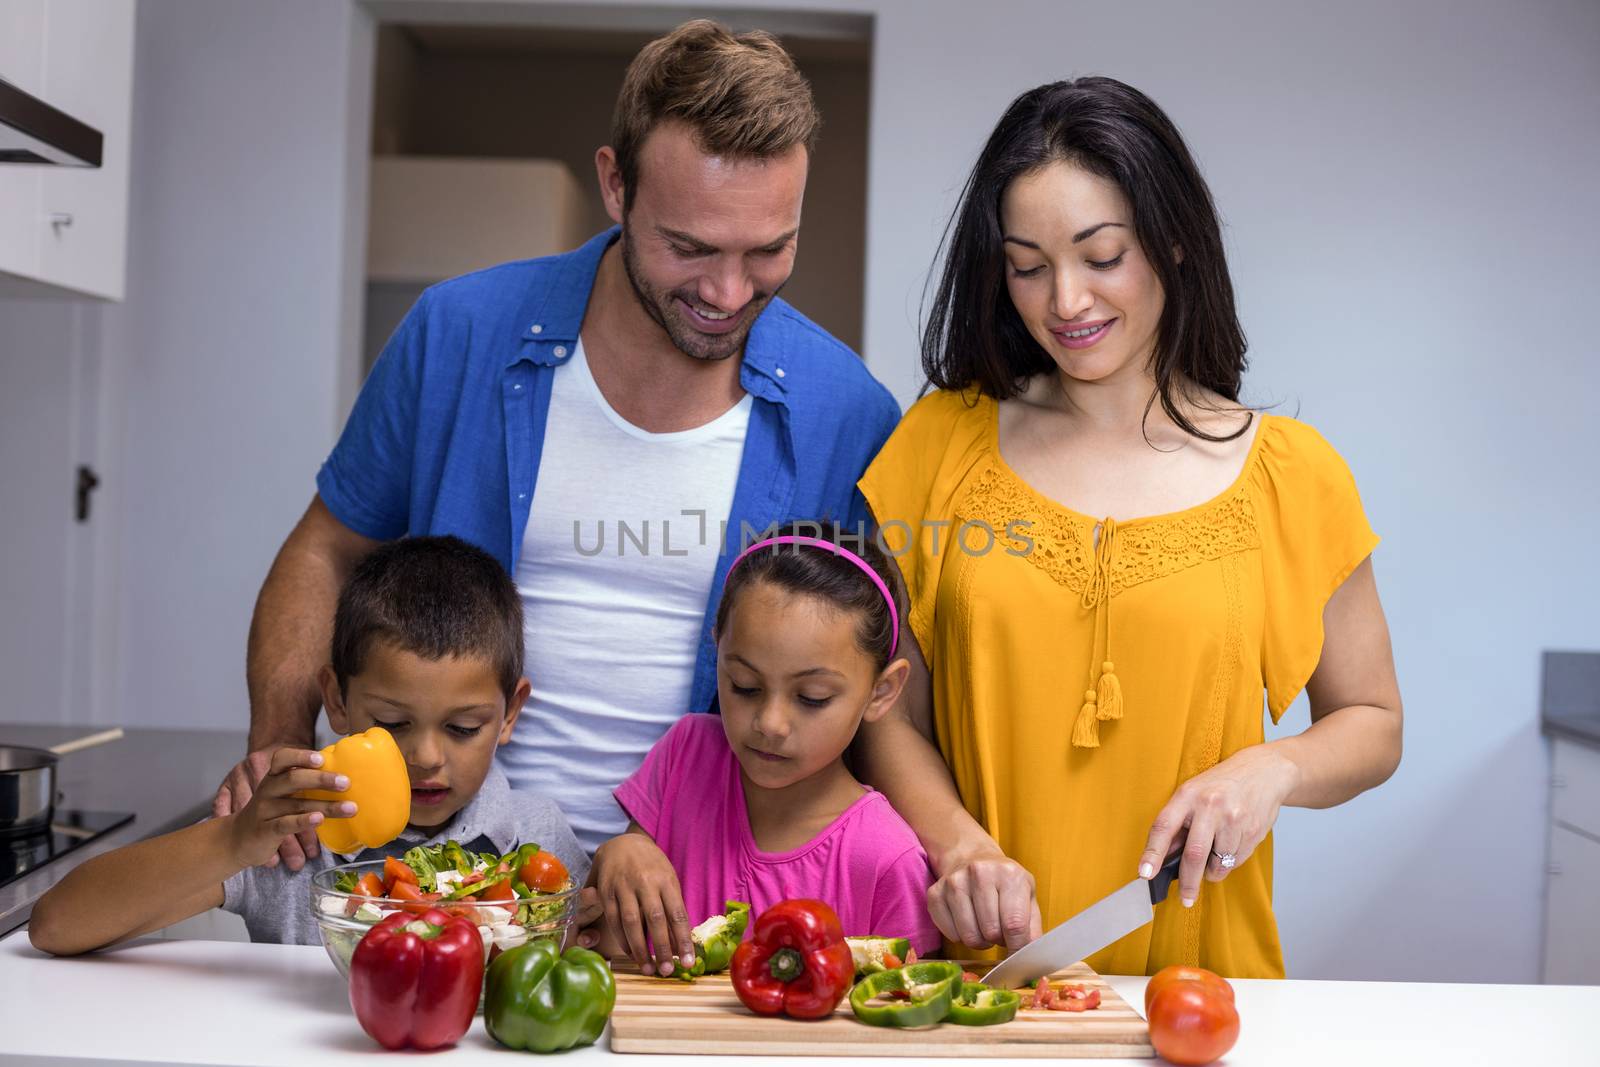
1131	558
757	804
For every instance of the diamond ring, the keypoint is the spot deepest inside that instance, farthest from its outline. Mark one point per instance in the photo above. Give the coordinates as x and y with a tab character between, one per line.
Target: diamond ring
1225	860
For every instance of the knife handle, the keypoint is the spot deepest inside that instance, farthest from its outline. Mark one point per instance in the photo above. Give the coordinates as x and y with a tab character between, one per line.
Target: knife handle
1162	881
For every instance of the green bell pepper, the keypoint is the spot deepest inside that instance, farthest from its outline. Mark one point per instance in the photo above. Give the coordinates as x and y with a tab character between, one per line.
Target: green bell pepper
869	952
980	1005
538	999
475	888
714	941
929	988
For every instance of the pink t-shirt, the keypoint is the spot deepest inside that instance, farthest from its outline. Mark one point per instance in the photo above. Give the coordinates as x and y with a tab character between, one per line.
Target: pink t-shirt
867	864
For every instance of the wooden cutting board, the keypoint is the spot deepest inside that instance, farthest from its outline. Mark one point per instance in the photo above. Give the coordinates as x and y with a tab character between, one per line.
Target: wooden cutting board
706	1018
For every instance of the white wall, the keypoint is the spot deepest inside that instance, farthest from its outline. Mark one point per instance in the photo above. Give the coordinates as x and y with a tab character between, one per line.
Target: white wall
1408	191
234	332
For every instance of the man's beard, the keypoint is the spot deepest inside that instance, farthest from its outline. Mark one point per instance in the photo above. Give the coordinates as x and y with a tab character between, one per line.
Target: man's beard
685	338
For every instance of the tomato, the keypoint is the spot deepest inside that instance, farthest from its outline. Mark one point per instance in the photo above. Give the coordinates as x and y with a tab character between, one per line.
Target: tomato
891	961
1181	973
1076	998
413	899
544	872
473	878
370	885
499	891
395	871
1043	995
1192	1024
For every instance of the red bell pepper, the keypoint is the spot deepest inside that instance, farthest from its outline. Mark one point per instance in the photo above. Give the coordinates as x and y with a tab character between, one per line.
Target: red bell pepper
795	963
415	980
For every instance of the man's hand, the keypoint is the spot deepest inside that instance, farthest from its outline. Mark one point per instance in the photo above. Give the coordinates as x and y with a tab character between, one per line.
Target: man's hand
276	812
986	899
237	789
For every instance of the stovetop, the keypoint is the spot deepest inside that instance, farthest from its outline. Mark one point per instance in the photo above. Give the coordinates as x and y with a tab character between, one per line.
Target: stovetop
68	830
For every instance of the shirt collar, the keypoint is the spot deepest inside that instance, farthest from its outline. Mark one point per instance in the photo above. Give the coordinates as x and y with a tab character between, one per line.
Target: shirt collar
552	319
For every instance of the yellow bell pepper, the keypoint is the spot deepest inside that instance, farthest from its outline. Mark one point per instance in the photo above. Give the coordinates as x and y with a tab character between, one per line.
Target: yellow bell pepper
379	784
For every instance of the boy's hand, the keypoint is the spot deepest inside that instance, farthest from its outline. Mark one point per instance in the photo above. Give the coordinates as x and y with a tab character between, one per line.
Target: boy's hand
642	900
237	789
274	812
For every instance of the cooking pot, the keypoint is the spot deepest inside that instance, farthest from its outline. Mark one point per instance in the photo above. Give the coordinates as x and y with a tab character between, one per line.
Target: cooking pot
28	782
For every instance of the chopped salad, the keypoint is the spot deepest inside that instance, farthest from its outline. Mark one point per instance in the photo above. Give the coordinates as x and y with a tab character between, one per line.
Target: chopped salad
506	896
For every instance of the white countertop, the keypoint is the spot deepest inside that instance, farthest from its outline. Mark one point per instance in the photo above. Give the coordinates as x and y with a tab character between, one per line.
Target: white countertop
217	1002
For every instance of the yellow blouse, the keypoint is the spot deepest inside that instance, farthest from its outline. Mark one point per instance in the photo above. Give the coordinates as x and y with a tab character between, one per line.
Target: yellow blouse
1077	682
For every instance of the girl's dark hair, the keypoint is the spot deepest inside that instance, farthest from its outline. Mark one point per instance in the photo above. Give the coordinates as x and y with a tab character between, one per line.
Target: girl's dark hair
433	597
815	571
973	334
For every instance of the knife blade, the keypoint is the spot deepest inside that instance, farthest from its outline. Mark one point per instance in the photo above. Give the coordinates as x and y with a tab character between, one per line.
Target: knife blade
1106	920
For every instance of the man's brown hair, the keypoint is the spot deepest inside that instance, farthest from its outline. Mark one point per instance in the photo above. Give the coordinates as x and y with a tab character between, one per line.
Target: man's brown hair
740	94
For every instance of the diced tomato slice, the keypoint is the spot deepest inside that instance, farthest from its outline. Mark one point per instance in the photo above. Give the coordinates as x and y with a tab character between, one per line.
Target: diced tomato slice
395	871
1076	998
892	962
413	899
970	976
499	891
370	885
544	873
1043	995
475	876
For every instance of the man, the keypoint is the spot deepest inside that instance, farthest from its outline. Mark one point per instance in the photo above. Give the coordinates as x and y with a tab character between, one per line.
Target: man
610	423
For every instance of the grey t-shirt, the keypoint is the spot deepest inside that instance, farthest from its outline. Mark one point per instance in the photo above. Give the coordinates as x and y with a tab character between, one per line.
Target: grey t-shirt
275	902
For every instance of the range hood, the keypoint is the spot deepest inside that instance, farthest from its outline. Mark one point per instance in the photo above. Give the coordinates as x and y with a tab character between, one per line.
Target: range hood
31	131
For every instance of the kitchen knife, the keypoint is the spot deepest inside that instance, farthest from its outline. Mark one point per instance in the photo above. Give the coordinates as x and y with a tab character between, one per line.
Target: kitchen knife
1087	932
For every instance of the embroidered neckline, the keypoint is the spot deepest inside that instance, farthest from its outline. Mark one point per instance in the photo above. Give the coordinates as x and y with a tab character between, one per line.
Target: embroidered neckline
1251	458
1148	547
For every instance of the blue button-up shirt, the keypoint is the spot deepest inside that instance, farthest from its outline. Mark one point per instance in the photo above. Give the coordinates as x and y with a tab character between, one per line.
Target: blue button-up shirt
447	433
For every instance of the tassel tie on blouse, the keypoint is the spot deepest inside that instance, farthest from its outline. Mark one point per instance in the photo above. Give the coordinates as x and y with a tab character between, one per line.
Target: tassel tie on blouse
1103	699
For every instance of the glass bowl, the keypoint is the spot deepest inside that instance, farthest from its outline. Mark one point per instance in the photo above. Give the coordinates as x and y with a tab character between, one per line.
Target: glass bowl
344	918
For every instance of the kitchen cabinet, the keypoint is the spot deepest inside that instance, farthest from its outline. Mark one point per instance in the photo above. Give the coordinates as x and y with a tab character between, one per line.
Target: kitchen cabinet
1572	884
433	218
66	227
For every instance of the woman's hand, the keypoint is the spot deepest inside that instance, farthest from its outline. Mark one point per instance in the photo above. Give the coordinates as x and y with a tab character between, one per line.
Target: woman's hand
274	812
1226	810
986	899
642	901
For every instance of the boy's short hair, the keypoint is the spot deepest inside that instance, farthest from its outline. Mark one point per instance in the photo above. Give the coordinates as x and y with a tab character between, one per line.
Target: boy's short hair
433	597
740	94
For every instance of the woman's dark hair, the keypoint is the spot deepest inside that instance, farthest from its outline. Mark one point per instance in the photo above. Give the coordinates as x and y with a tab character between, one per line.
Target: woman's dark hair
433	597
973	334
815	571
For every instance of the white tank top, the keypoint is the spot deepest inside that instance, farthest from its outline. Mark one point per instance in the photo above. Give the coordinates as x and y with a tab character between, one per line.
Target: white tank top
614	578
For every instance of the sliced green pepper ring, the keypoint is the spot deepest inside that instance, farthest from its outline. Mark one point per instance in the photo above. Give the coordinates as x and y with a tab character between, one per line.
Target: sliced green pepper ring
929	989
980	1005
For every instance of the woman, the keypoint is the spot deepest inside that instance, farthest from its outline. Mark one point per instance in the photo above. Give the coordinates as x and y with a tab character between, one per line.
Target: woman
1110	558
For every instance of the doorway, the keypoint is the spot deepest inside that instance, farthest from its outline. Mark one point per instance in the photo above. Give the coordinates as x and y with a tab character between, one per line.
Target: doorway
515	114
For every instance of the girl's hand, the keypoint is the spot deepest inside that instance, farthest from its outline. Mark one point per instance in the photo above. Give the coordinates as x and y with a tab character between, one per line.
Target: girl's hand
274	812
1227	810
642	900
986	899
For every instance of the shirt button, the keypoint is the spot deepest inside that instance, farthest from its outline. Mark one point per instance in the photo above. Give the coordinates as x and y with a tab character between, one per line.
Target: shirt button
780	372
561	350
522	496
536	328
516	388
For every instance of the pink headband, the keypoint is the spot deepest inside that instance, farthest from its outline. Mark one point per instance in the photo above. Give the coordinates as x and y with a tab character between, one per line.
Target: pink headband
838	550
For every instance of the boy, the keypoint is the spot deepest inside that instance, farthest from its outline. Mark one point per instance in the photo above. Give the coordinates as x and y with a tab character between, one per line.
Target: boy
427	643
